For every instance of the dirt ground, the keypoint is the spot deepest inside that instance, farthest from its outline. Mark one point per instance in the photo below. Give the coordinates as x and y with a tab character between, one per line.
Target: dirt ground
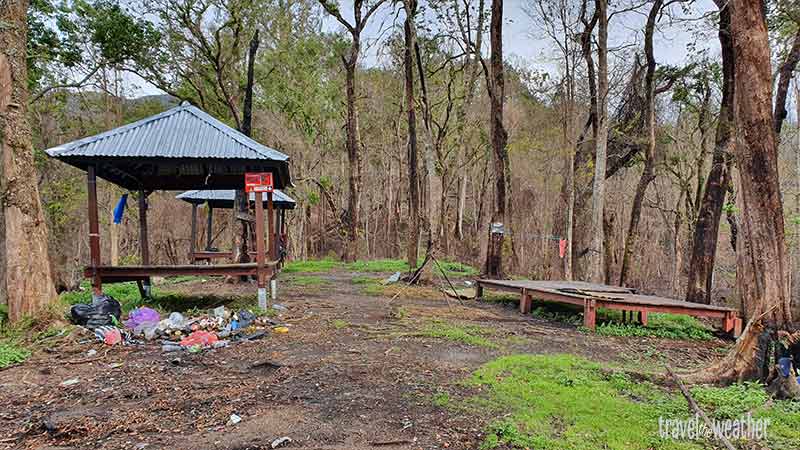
350	374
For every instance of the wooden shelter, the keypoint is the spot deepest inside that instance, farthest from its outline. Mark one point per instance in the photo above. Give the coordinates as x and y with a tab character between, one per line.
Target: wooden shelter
224	199
181	148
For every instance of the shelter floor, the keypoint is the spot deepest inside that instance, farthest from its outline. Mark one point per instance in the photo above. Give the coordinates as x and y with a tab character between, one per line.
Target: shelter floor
355	374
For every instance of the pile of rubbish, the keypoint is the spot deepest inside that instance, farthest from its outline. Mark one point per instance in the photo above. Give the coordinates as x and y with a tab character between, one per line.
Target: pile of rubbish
218	328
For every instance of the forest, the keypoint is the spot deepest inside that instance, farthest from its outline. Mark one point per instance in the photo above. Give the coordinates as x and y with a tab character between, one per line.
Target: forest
653	144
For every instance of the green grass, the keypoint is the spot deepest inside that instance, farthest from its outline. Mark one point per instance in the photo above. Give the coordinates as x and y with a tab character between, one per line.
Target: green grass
306	280
466	334
339	324
566	402
12	353
311	265
450	268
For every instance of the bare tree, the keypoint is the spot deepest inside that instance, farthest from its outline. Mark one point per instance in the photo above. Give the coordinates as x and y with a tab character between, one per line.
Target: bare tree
362	12
26	283
597	272
412	252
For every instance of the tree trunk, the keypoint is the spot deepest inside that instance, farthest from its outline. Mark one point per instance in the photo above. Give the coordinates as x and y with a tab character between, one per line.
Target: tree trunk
763	266
241	204
500	227
706	228
26	283
601	145
353	156
650	159
412	252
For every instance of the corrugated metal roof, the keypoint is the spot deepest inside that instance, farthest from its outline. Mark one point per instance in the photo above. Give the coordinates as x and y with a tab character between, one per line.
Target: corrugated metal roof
181	132
227	196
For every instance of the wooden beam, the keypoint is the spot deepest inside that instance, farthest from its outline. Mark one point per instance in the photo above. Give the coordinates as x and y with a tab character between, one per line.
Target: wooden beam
273	254
210	228
144	245
94	231
193	240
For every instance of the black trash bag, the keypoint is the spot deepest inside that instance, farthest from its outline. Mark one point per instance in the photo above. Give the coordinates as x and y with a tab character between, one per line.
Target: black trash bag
101	312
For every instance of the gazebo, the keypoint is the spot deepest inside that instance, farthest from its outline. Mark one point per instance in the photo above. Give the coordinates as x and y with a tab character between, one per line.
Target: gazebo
179	149
224	199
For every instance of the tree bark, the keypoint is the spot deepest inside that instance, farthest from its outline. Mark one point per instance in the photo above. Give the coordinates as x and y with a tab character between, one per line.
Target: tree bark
353	155
785	74
597	271
493	266
763	266
26	283
718	182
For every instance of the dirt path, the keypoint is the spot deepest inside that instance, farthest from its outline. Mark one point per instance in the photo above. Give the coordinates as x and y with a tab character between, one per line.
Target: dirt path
354	373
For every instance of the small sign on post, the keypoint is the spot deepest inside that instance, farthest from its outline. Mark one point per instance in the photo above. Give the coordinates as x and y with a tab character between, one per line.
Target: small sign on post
258	182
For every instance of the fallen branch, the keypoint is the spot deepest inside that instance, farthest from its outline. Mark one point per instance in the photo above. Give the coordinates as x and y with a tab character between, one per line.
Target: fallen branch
698	411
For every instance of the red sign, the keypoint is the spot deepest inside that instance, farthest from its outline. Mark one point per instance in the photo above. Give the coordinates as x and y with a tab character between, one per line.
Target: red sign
258	182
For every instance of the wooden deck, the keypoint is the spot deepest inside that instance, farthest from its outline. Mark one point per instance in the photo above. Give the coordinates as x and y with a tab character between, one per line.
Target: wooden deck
592	296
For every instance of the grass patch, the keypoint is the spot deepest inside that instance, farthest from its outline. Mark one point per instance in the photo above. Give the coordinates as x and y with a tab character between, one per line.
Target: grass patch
311	265
378	265
307	280
339	324
12	353
566	402
466	334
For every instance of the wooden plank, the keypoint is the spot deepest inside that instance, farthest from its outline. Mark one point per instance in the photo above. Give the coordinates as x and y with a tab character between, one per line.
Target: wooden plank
589	313
94	231
141	272
260	257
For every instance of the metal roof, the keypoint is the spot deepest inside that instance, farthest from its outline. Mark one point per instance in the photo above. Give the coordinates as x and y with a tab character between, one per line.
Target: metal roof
224	198
184	131
180	148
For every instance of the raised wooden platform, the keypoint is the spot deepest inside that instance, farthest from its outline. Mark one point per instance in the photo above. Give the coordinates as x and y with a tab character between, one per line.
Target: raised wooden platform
592	296
112	274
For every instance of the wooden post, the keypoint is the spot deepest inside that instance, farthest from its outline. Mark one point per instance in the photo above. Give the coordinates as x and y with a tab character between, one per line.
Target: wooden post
114	244
94	231
525	301
260	275
589	313
209	227
192	242
643	318
144	246
271	228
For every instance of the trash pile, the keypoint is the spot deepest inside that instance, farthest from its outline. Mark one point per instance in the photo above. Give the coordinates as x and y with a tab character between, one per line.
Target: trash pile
218	328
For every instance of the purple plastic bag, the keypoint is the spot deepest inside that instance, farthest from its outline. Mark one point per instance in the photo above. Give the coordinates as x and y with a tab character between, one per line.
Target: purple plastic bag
142	317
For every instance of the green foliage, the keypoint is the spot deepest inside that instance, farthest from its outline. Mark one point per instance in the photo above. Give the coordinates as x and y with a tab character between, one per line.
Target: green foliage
667	329
12	353
466	334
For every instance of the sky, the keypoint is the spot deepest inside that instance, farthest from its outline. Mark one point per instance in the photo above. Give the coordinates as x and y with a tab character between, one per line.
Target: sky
524	44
